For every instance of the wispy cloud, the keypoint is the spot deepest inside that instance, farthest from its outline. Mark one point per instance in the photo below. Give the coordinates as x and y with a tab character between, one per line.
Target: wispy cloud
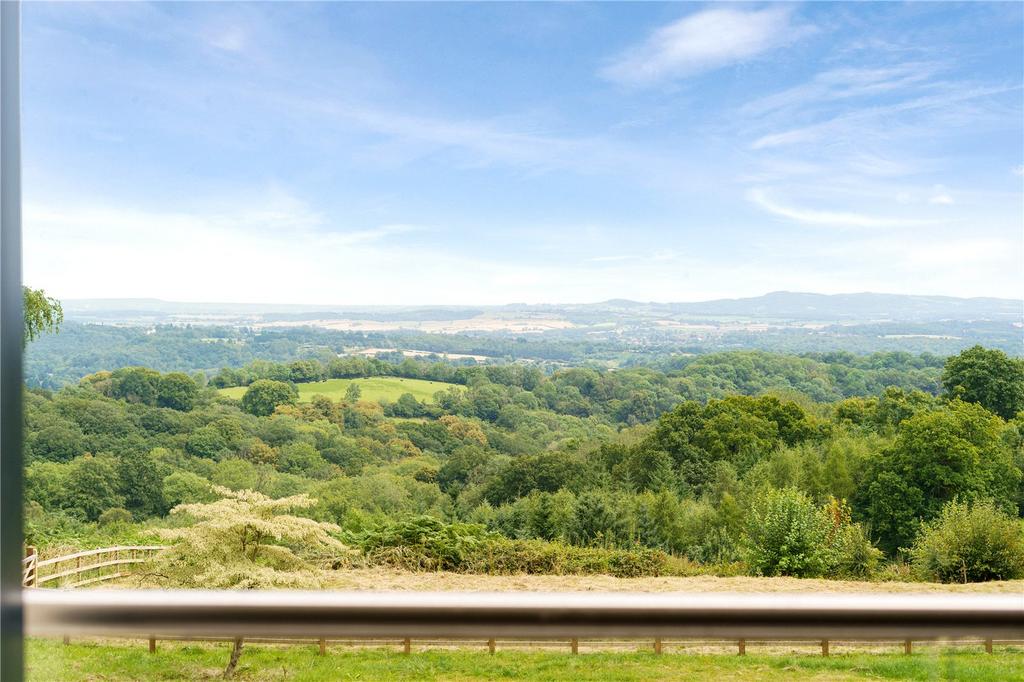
859	121
704	41
229	39
940	196
844	84
809	216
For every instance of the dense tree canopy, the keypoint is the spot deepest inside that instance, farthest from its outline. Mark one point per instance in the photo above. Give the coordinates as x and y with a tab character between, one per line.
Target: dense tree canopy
264	395
602	461
987	377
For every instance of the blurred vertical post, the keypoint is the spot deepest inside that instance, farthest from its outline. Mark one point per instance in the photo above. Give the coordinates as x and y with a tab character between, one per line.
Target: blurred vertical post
11	339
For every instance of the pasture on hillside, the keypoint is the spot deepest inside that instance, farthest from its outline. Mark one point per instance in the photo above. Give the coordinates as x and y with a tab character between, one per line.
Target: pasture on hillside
373	389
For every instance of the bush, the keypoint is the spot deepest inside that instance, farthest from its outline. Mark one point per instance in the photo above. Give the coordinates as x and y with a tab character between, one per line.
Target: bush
855	556
425	543
788	535
115	515
970	544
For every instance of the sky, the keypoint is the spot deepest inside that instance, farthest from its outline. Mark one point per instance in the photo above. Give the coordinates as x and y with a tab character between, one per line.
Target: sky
540	153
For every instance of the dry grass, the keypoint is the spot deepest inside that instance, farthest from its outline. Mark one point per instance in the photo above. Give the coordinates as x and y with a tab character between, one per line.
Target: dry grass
390	579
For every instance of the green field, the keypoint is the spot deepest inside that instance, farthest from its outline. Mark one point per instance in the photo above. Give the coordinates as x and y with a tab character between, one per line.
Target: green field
50	660
373	388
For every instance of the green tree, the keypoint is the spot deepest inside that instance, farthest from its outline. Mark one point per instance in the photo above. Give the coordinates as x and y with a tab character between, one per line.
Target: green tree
91	486
739	430
970	543
407	406
42	313
647	469
177	391
136	385
264	395
598	520
302	458
987	377
304	371
353	393
957	452
185	487
59	441
140	484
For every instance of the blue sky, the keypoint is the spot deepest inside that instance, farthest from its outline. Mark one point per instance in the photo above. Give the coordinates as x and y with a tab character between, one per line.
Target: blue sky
495	153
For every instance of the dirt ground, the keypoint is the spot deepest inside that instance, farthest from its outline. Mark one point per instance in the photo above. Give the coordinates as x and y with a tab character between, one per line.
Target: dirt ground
386	579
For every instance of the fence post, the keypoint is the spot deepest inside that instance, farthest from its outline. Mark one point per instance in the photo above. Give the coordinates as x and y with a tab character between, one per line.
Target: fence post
824	647
490	646
152	645
575	644
908	647
323	646
988	646
657	646
406	645
33	571
742	646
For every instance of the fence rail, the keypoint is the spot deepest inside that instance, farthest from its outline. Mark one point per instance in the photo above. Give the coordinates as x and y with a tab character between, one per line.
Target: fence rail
567	616
516	618
64	571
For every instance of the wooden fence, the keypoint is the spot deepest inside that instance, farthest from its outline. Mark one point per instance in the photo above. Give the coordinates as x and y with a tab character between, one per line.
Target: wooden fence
70	570
575	645
109	563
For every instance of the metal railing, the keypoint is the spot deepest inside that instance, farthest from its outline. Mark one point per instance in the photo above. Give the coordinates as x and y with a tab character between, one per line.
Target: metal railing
65	571
477	615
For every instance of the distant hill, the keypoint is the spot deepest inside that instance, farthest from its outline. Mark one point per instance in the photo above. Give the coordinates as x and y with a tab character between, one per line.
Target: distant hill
859	307
775	306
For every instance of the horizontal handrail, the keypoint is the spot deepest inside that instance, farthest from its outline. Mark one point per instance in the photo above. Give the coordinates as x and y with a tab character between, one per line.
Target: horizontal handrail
523	614
102	550
88	567
122	555
98	579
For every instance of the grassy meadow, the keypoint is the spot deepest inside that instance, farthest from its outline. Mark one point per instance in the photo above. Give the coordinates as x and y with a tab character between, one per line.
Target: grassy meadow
49	660
373	389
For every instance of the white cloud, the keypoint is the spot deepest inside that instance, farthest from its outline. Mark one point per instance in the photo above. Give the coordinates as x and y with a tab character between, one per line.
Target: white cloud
106	251
810	216
610	259
230	39
242	253
940	196
703	41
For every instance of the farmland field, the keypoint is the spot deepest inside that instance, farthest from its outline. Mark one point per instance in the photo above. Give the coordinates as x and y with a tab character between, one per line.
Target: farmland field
373	389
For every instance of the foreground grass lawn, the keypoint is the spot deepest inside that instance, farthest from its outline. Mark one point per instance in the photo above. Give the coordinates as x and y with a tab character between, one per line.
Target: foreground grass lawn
50	660
373	389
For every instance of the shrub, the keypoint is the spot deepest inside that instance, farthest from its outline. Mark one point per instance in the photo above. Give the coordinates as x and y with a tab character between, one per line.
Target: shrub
788	535
425	543
970	544
115	515
246	539
855	556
